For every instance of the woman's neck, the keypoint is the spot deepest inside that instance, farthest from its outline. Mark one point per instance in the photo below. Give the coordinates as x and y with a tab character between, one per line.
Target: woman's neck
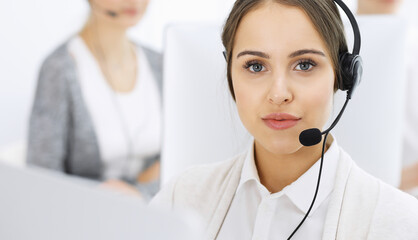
106	39
278	171
114	53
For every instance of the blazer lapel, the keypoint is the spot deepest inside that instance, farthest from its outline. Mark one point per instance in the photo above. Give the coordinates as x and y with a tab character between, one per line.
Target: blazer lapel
353	202
228	193
336	201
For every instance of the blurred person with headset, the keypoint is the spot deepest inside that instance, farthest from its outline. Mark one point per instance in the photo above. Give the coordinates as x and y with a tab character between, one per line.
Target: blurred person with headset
285	60
97	108
378	6
409	179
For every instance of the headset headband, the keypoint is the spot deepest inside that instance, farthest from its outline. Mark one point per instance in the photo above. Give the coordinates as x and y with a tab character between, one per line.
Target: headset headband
354	25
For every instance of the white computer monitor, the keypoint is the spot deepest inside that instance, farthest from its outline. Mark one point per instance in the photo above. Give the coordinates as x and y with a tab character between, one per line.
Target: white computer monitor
39	204
371	127
201	123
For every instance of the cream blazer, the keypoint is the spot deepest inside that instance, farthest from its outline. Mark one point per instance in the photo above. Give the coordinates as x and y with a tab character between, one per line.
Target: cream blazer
361	206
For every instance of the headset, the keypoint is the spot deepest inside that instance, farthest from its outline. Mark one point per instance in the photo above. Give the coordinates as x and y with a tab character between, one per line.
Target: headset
350	73
351	64
349	77
108	12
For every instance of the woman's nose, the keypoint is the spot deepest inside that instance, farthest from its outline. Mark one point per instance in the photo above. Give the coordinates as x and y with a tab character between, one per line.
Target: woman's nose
280	92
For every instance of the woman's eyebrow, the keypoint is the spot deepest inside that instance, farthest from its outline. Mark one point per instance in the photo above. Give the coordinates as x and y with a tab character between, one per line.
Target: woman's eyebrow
292	55
254	53
306	51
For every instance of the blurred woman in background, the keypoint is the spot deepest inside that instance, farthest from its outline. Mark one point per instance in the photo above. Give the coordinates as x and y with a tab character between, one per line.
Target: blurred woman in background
97	107
377	6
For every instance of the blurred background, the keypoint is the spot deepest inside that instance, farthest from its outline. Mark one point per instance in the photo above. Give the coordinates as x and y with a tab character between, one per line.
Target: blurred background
32	29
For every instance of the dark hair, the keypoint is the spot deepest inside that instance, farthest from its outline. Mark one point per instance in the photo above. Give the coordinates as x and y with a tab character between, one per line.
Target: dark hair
324	15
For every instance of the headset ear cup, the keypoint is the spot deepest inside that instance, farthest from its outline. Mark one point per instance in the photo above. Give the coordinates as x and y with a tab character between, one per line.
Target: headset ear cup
357	73
351	70
345	78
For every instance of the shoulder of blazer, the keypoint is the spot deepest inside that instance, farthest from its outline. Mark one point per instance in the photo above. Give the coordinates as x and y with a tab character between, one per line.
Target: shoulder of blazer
396	215
208	190
371	209
60	60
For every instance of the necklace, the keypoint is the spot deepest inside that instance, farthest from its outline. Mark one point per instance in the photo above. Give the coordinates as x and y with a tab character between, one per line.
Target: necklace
112	88
107	67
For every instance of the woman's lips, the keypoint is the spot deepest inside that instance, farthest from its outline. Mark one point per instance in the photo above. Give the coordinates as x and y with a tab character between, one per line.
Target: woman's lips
131	12
280	121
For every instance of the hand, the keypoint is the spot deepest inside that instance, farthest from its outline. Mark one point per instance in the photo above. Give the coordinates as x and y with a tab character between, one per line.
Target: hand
150	174
378	6
121	187
409	177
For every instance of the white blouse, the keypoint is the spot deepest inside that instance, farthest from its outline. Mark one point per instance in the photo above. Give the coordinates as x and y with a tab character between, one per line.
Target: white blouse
255	213
359	205
113	114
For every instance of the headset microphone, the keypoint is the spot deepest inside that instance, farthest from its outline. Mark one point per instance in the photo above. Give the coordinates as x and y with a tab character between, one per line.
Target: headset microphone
111	13
351	70
310	137
108	12
313	136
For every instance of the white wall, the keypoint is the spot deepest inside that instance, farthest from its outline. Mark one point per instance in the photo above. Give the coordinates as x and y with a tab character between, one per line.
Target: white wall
29	30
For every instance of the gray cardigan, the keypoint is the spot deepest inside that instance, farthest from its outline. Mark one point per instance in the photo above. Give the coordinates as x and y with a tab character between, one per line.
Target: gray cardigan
61	132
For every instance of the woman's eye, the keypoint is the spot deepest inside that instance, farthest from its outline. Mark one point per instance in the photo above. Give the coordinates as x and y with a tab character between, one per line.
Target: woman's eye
305	66
256	67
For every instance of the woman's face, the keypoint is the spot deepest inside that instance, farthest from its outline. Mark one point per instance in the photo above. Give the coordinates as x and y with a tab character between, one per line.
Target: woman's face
282	75
378	6
128	12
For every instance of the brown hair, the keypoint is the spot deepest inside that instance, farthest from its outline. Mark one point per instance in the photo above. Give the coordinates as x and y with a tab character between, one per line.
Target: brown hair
323	14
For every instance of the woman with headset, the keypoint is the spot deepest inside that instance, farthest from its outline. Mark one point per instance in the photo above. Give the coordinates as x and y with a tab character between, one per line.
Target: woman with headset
285	60
97	107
